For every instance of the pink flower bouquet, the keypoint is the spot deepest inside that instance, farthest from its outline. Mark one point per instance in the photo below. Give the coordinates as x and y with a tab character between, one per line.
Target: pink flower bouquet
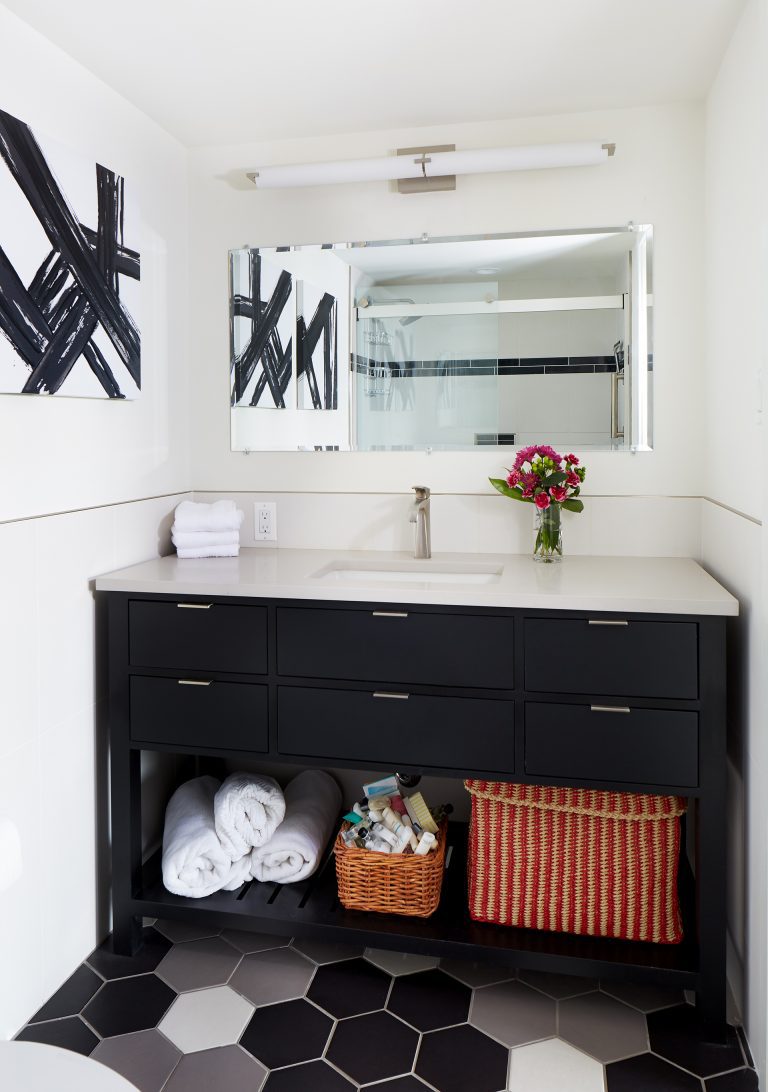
551	482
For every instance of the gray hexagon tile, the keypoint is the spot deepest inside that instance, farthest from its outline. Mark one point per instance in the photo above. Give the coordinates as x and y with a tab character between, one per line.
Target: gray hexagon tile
513	1013
553	1064
253	942
643	996
400	962
145	1058
199	963
180	932
477	974
223	1069
321	951
280	974
558	986
206	1018
602	1027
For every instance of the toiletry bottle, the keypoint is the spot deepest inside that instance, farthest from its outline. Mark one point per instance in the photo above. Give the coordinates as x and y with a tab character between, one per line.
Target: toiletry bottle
426	843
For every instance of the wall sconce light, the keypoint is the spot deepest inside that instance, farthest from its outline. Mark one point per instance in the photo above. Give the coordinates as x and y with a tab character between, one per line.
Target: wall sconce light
433	165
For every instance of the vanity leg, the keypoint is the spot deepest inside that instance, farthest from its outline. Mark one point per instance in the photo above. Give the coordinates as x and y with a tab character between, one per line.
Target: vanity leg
126	934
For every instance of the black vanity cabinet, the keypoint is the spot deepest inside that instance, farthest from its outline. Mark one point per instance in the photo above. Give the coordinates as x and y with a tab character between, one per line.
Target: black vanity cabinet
613	701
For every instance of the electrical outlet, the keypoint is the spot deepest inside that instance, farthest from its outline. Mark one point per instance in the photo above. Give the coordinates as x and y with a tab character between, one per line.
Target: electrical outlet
265	521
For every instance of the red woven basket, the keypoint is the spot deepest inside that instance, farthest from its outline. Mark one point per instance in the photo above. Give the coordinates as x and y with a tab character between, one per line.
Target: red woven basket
575	860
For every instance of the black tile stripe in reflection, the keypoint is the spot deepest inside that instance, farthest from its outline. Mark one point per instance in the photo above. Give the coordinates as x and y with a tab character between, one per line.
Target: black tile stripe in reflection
70	1033
70	998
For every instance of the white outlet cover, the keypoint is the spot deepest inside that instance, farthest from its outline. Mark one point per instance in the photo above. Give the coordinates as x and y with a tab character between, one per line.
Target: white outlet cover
265	521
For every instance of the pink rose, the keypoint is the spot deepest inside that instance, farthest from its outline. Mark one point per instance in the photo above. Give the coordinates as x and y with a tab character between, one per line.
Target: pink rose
572	460
573	479
541	500
558	493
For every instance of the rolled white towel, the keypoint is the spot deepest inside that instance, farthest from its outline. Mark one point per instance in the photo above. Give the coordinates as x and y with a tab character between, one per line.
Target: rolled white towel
222	515
208	551
194	862
312	802
247	810
190	539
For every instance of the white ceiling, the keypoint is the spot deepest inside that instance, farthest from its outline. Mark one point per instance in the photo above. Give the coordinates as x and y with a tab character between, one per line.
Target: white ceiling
230	71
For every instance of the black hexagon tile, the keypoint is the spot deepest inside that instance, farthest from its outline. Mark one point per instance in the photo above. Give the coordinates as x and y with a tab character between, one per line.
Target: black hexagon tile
129	1004
69	1033
373	1047
309	1077
743	1080
70	998
429	1000
349	988
462	1059
110	965
676	1034
647	1073
287	1033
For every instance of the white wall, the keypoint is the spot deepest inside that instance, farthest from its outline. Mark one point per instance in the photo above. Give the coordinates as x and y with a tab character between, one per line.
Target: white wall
733	454
656	177
86	486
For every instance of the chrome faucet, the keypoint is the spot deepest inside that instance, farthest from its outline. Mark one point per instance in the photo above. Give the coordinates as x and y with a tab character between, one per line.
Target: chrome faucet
420	516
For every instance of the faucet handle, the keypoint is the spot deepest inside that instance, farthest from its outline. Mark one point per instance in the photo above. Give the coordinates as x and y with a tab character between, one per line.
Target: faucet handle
422	492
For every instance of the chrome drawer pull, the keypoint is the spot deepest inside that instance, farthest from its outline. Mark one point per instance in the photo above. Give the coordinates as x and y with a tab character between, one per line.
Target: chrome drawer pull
389	613
606	622
389	694
195	682
610	709
195	606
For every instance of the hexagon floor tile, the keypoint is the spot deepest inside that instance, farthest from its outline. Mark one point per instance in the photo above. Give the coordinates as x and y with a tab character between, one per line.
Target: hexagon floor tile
462	1060
205	1019
279	974
602	1027
513	1013
540	1067
197	1010
145	1058
198	963
287	1033
349	988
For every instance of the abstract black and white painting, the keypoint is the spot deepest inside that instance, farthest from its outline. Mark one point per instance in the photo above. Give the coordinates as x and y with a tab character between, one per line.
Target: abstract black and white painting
69	280
272	315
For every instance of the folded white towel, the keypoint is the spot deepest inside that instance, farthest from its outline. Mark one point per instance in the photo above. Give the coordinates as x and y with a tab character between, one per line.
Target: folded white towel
220	516
190	539
312	802
194	862
208	551
247	810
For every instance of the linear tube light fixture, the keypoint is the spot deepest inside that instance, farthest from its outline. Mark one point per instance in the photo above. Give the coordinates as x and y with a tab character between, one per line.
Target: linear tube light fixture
434	164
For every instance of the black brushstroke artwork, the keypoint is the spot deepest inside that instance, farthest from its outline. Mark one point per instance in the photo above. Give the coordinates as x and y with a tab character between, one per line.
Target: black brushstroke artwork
264	354
76	290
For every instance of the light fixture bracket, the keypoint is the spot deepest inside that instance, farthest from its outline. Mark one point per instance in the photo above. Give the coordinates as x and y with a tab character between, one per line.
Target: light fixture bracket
427	183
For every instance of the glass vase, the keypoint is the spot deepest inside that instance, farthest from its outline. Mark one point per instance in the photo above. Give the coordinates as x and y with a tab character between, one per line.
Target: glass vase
548	547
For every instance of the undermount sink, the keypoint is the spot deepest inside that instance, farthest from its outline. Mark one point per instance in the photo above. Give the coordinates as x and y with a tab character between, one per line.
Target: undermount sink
411	572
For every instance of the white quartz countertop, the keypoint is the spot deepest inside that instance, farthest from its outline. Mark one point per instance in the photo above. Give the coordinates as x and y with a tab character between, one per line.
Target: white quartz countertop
631	584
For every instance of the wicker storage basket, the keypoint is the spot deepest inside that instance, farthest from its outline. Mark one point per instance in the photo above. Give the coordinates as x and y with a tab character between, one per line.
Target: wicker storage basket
575	860
390	883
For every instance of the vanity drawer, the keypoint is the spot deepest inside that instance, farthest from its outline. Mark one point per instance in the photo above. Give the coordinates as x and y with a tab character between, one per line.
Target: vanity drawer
654	746
457	733
397	645
198	636
612	656
194	714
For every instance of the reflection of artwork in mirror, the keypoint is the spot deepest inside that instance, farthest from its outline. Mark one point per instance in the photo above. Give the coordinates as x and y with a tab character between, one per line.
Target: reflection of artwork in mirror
262	327
316	347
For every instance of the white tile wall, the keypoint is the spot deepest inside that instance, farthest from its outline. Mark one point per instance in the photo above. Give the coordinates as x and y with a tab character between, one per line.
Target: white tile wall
52	737
475	523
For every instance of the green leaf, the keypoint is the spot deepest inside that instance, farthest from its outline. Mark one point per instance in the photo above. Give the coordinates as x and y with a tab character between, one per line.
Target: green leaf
555	479
574	505
506	490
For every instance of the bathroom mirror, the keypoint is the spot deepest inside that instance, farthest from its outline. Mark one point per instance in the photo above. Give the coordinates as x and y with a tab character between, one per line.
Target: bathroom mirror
444	344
